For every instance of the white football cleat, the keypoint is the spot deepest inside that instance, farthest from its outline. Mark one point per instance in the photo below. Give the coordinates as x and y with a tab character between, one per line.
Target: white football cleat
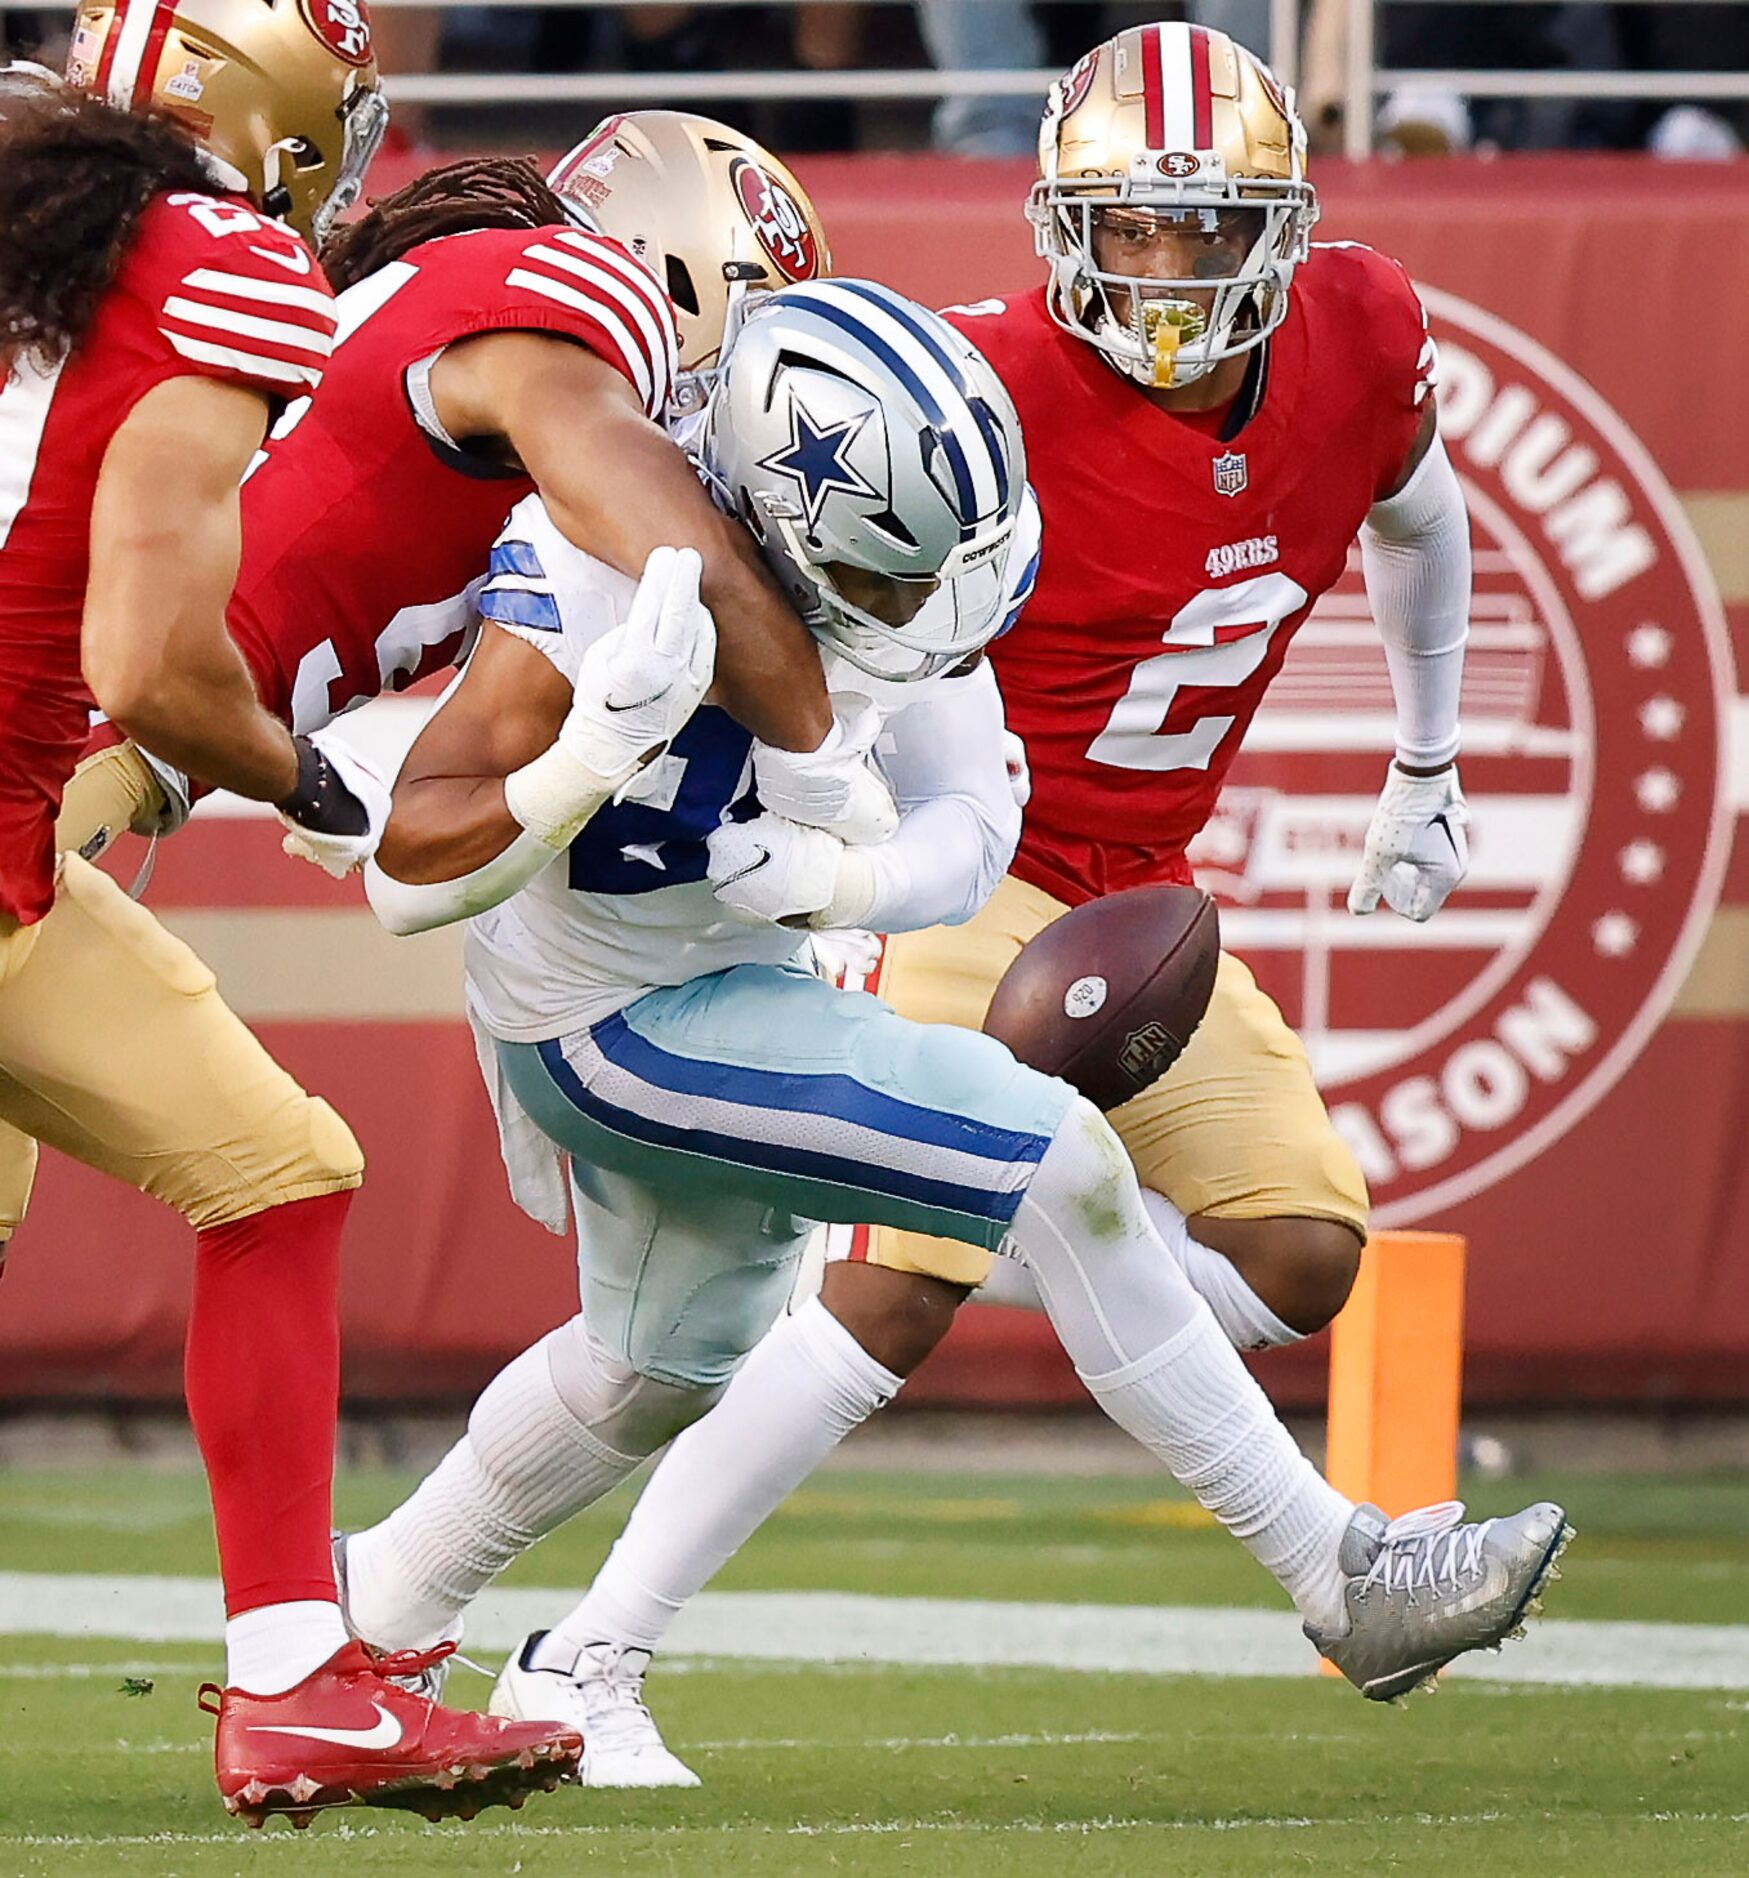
602	1694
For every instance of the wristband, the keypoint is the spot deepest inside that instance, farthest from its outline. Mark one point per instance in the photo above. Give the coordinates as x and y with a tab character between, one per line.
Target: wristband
554	796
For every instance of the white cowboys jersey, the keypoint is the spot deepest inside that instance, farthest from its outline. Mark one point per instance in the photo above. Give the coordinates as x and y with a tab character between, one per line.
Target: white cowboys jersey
628	907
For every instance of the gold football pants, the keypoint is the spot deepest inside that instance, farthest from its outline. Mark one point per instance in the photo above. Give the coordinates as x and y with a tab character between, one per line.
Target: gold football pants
116	1048
1236	1127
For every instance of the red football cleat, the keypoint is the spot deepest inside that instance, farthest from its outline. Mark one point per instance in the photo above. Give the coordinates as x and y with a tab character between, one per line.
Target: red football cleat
349	1736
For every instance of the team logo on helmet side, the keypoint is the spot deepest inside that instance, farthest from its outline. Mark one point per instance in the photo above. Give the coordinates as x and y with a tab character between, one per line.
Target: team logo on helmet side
816	459
1595	689
343	26
777	220
1078	81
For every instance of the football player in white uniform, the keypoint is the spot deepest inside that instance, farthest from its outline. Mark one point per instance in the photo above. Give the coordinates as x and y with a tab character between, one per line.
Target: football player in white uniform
637	972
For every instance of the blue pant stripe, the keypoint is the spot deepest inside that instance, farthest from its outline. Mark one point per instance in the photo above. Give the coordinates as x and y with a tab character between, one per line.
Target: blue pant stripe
774	1157
824	1093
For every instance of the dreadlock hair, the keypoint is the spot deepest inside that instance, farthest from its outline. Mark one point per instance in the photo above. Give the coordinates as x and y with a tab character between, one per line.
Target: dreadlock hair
75	177
454	199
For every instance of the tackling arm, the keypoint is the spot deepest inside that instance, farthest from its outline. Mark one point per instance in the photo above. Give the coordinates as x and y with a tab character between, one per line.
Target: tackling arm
616	485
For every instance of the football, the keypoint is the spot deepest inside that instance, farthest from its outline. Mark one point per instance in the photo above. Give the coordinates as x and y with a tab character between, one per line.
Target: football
1107	996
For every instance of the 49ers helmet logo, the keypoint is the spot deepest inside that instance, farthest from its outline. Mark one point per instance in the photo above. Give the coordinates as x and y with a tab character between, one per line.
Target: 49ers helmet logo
1595	690
343	26
777	220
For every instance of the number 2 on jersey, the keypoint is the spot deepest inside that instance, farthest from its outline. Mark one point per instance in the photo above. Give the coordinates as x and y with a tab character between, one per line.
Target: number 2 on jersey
1215	641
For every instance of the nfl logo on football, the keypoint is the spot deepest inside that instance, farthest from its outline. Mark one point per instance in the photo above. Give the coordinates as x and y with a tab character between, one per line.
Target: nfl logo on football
1230	472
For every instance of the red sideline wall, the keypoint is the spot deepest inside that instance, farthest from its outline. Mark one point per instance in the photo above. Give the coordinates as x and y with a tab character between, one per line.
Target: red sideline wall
1565	1079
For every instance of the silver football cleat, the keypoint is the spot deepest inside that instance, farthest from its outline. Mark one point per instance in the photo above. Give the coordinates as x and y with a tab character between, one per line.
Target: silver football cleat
602	1695
1427	1587
429	1682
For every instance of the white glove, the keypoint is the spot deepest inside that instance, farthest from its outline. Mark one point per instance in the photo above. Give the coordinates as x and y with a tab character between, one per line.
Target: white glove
1019	772
771	871
1417	845
835	786
636	688
639	684
336	790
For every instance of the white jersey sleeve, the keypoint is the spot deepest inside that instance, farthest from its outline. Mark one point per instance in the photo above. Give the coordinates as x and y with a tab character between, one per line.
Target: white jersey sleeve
542	589
959	824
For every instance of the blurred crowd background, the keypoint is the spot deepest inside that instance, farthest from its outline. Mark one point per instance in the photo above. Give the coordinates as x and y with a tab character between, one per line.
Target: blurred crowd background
694	43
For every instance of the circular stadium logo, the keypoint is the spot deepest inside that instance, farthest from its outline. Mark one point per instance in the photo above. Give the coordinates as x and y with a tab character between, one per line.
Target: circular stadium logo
1595	690
343	26
777	220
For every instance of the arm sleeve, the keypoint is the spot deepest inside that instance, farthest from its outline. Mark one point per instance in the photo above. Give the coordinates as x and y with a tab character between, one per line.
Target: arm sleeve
959	824
1415	551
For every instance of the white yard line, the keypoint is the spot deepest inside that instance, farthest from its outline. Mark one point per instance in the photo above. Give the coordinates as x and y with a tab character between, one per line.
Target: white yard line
877	1828
827	1627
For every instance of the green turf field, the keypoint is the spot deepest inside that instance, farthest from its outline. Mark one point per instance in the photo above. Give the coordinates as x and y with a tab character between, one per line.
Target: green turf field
829	1767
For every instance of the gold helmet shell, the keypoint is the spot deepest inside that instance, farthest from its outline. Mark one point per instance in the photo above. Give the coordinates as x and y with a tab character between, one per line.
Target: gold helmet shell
283	94
714	215
1181	121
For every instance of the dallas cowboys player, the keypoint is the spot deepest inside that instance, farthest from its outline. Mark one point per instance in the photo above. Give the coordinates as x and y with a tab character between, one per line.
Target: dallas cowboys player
635	969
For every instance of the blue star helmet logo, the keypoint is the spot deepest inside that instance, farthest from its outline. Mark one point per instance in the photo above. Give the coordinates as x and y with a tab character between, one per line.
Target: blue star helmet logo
816	459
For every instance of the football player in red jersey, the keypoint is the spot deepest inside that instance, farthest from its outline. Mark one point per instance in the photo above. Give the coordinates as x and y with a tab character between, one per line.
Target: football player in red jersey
1213	408
154	314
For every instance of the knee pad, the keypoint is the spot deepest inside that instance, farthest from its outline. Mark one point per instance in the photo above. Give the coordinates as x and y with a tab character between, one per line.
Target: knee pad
1086	1184
623	1409
298	1149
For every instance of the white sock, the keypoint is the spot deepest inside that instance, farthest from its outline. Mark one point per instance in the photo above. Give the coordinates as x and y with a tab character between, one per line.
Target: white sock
1156	1361
1249	1323
801	1391
276	1646
526	1464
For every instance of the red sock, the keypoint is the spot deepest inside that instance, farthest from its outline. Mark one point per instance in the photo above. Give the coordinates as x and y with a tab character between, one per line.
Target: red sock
262	1375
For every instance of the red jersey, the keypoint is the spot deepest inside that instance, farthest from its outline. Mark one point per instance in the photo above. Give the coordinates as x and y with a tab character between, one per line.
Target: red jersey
364	529
1177	566
207	288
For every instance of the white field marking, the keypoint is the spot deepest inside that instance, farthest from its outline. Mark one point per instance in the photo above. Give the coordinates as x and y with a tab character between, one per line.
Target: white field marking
885	1828
848	1628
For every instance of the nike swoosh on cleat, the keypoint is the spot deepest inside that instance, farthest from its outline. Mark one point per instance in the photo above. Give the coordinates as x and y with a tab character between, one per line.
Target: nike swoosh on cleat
386	1733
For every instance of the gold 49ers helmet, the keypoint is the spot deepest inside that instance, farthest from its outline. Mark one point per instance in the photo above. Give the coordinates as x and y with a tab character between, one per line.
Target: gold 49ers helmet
712	213
1171	128
282	94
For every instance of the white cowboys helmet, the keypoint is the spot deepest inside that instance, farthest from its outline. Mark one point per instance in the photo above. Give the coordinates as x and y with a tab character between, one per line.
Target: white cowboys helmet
876	457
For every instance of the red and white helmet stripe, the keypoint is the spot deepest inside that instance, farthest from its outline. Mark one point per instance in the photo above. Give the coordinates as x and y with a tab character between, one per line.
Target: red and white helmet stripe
1177	94
128	71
